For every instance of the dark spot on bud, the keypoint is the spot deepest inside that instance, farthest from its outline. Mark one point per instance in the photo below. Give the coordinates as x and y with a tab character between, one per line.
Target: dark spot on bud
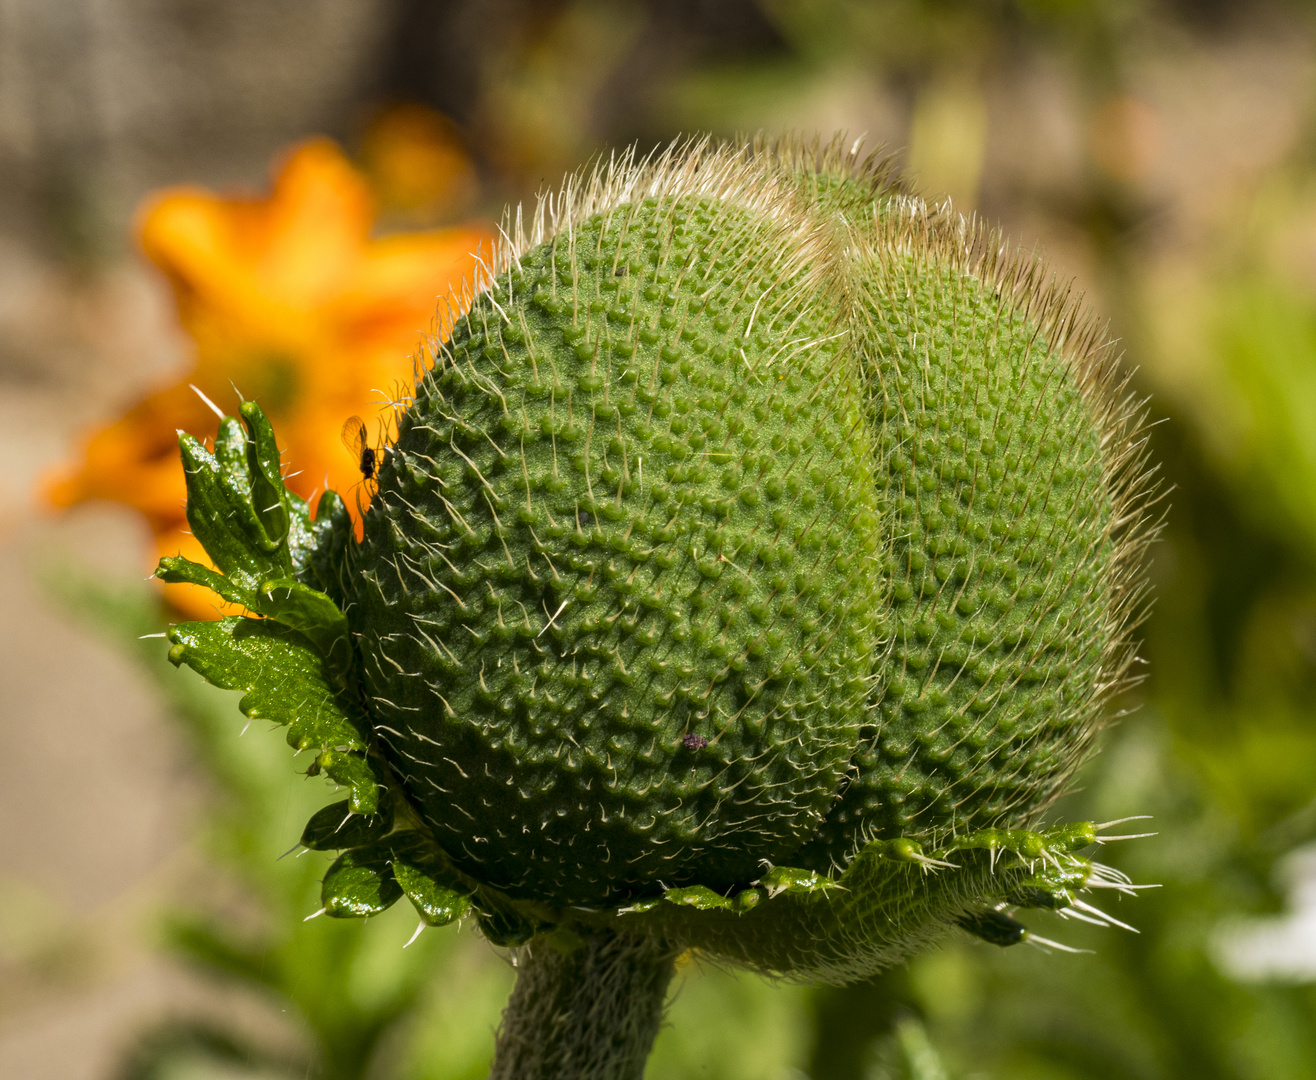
694	742
584	519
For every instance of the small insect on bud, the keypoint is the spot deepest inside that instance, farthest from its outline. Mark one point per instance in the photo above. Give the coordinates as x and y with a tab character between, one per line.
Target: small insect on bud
356	440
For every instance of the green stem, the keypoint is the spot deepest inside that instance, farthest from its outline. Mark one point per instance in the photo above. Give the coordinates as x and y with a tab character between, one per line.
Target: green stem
590	1013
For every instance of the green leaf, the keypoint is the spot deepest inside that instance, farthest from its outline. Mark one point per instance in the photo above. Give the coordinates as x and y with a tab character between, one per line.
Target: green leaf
354	772
437	904
221	513
360	884
280	672
336	828
309	611
177	570
268	495
208	946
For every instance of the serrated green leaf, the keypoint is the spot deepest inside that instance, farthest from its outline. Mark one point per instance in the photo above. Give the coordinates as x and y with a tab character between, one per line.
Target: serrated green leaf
355	773
311	612
260	536
336	828
360	884
268	494
282	675
223	519
176	569
436	903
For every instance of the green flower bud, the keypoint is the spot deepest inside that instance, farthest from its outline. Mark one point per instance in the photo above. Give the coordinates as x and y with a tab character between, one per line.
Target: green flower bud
749	570
617	602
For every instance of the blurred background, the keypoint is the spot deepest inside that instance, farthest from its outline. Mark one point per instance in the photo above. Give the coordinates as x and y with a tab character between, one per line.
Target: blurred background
164	220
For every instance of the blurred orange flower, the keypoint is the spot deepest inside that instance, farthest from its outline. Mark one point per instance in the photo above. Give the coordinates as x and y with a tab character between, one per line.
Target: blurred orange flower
291	302
416	167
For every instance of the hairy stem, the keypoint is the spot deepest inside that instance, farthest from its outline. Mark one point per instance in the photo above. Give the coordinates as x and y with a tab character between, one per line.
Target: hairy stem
587	1014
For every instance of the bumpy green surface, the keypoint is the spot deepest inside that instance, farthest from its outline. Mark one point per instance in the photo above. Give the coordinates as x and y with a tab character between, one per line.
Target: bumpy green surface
999	564
616	603
740	578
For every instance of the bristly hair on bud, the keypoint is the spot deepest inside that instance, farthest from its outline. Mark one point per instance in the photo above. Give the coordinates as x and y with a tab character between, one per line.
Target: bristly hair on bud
750	568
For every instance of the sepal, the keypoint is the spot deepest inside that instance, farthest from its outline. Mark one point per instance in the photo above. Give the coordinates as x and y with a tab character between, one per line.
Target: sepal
354	772
699	897
337	828
893	892
782	879
505	926
221	508
259	535
388	865
281	674
993	926
360	883
437	903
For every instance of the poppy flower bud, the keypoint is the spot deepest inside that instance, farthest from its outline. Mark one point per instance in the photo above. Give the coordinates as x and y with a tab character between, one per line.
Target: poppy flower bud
619	598
749	571
751	513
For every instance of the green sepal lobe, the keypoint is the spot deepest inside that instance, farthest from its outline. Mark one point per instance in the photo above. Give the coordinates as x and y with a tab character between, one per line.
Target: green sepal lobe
360	883
260	536
699	897
354	772
994	927
281	674
337	828
436	903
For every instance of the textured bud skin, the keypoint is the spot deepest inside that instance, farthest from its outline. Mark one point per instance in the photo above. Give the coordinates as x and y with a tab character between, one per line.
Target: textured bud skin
759	530
1001	559
748	574
616	601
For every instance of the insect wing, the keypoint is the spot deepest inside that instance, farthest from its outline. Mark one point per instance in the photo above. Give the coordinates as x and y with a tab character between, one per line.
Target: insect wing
354	436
